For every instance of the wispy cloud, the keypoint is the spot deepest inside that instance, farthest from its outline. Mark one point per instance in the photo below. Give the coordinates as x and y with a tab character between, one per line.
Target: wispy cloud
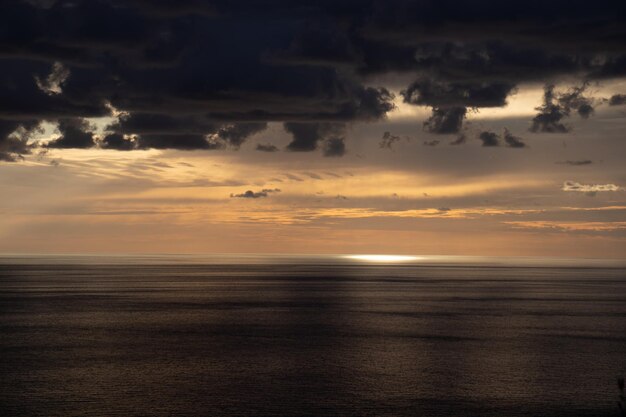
579	162
569	226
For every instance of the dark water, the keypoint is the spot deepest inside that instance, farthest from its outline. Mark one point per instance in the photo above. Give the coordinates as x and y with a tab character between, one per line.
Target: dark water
295	339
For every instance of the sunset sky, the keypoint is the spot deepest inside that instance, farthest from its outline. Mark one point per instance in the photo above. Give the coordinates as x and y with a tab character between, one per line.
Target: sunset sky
268	126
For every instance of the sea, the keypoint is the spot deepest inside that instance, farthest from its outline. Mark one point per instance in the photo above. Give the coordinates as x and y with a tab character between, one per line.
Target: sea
260	335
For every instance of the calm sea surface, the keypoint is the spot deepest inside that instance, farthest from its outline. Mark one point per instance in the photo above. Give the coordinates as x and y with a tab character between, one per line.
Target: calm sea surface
305	338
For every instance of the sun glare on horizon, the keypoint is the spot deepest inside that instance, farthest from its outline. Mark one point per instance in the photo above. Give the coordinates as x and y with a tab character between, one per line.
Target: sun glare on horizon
383	258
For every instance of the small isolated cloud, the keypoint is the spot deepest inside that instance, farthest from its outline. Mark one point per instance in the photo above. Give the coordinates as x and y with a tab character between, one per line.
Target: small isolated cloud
266	147
550	115
617	100
589	189
558	106
444	209
256	194
388	140
493	139
489	139
575	100
577	162
513	141
431	142
460	140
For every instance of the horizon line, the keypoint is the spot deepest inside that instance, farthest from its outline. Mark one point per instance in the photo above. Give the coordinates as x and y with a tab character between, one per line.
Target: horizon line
326	258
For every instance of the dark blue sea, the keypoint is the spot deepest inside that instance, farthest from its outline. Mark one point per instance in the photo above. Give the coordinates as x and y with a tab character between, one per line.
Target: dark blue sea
310	336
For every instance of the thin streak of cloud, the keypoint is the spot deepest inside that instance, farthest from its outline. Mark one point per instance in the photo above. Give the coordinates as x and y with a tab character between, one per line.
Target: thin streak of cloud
569	226
572	186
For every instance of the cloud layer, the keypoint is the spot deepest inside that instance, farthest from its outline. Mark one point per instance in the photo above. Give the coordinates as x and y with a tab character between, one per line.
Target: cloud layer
209	74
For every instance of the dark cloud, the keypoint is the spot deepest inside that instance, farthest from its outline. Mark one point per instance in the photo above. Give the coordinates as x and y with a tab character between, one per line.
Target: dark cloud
22	99
317	46
585	110
184	132
457	94
236	134
445	120
255	194
155	123
578	162
118	142
550	114
575	100
266	147
521	39
75	133
512	141
14	139
617	100
211	73
489	139
175	71
307	136
434	142
450	100
334	147
388	140
185	142
558	106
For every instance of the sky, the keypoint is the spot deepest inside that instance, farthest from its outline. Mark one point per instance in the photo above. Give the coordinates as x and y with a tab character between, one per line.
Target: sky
330	127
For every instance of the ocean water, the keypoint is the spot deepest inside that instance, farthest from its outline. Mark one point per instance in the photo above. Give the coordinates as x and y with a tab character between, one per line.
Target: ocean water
229	336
